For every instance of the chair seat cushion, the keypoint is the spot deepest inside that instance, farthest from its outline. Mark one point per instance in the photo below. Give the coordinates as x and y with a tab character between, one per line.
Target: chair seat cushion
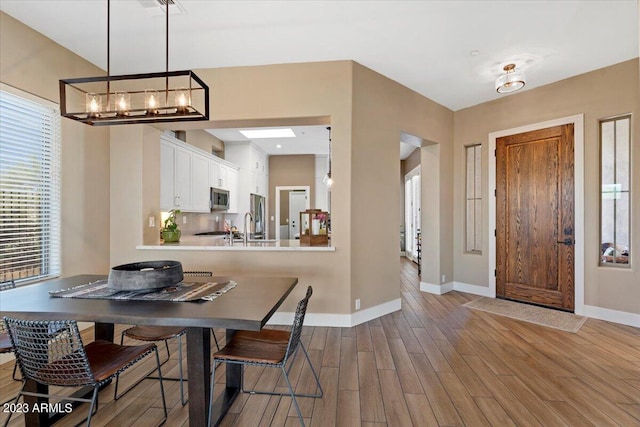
5	343
154	333
267	335
107	359
267	346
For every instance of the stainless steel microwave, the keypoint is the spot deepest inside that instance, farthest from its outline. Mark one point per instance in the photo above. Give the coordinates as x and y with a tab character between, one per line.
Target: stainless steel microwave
219	199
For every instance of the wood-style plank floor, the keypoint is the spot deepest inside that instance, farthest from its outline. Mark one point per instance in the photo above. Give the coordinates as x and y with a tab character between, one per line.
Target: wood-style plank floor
433	363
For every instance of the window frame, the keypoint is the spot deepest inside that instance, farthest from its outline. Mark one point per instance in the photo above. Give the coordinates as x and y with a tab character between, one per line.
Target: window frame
613	120
50	251
477	250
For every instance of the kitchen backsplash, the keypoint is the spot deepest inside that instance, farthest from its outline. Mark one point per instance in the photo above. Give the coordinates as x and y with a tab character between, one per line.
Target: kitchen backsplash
200	222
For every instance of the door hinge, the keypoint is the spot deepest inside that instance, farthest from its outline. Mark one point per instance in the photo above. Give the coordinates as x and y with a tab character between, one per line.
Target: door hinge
495	192
495	153
495	232
495	273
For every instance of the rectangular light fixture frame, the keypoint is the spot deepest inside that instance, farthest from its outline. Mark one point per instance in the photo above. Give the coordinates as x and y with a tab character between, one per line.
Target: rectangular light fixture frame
74	91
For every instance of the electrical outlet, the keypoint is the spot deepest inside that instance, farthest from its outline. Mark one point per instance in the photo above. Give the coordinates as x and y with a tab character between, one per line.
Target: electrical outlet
184	219
152	221
444	278
358	304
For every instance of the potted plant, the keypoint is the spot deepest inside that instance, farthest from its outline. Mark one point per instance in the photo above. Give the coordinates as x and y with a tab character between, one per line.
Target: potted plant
170	232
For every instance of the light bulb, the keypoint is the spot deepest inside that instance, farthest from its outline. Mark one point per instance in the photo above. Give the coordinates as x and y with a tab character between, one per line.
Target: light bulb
93	104
122	102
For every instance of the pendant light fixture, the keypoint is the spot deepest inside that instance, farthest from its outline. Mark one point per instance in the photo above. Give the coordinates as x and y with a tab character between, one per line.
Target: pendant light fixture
169	96
511	80
328	181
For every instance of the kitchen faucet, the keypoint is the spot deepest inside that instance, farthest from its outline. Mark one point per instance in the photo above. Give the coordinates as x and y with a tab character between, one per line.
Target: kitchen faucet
247	230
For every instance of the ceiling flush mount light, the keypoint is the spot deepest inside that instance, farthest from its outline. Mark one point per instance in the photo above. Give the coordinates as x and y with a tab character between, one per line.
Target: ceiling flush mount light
268	133
511	80
169	96
328	181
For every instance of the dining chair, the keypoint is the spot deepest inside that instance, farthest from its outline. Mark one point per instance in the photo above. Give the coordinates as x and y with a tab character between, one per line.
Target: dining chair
5	341
268	348
162	333
64	360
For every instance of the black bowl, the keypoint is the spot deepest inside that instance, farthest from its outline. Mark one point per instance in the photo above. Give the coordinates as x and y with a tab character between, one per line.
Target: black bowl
145	275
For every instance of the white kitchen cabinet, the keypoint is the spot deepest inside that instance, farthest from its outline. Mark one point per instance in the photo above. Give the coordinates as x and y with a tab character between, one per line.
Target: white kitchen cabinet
253	177
232	186
187	174
200	183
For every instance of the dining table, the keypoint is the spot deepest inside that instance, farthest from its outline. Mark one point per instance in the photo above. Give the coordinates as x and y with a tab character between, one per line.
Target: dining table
247	306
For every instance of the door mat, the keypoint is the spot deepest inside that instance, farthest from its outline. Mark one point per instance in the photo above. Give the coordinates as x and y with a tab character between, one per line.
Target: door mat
568	322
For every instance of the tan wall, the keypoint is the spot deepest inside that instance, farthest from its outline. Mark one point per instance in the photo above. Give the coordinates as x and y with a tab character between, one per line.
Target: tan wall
382	109
289	171
602	93
205	141
34	63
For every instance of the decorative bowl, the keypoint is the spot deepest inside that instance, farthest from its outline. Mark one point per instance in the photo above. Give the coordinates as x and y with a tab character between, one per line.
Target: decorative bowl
145	275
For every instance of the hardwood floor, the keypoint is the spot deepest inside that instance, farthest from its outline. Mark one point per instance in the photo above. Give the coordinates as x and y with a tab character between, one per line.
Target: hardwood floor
433	363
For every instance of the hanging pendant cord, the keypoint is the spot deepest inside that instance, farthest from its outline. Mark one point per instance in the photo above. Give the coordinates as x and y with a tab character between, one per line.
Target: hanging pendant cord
166	58
108	52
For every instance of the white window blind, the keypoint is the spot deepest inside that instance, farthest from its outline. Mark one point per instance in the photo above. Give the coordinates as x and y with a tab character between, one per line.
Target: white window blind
29	187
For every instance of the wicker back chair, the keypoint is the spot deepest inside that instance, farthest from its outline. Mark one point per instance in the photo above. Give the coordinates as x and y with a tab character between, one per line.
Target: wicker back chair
157	334
268	348
62	359
5	341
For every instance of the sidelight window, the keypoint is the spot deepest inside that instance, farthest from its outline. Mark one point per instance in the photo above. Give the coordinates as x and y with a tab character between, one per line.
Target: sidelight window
473	191
615	197
29	186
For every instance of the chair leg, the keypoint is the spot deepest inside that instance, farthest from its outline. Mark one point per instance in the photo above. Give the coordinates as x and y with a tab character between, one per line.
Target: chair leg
275	393
15	369
164	401
215	339
15	400
94	403
211	388
293	395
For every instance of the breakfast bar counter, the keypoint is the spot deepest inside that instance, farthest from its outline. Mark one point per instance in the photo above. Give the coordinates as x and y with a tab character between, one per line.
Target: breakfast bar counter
217	243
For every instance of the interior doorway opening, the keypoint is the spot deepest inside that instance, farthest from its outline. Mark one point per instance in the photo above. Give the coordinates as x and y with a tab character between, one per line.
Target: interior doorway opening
290	201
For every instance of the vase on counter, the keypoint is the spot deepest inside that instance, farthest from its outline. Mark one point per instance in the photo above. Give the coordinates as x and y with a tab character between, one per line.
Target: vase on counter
171	236
315	226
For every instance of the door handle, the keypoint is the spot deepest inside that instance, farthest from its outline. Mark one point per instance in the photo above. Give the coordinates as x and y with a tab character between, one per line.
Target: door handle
568	241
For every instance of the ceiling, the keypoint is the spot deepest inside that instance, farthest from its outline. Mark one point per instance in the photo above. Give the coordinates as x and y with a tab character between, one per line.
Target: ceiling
308	140
449	51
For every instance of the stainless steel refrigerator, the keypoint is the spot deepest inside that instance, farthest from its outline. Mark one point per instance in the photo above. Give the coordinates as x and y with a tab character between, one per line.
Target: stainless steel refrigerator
258	211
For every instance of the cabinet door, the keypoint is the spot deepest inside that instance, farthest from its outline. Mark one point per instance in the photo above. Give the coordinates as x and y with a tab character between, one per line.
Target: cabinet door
199	183
232	181
183	179
213	174
222	177
167	177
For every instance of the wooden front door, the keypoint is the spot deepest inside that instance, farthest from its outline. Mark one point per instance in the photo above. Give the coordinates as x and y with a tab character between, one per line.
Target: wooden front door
535	217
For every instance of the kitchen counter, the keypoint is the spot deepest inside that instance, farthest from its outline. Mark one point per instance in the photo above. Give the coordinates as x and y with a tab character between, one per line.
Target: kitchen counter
219	243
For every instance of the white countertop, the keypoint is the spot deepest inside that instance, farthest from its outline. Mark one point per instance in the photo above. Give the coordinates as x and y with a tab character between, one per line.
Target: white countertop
218	243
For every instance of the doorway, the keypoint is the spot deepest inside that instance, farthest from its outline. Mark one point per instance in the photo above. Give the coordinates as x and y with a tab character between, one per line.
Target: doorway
290	201
535	217
412	214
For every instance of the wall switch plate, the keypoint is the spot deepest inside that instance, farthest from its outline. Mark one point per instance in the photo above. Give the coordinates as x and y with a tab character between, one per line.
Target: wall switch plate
152	221
358	304
184	219
444	278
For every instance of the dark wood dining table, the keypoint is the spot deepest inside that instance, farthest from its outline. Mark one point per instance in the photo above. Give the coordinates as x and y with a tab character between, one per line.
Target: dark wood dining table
248	306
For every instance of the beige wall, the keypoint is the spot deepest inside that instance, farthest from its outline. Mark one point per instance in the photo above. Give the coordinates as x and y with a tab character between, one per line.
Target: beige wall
602	93
298	170
34	63
205	141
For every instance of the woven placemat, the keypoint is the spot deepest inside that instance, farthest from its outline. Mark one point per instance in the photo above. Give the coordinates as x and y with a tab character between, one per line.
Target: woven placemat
183	291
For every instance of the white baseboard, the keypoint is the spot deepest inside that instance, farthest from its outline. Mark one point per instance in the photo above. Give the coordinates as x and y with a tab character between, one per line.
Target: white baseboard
615	316
338	320
436	289
483	291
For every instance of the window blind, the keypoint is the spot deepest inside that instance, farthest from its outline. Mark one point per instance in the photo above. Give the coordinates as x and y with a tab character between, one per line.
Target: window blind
29	187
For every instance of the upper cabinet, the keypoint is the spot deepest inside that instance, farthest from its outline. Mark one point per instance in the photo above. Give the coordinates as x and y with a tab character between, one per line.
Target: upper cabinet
253	177
187	174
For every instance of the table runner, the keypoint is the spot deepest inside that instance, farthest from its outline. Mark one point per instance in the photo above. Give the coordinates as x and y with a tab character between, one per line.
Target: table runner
183	291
